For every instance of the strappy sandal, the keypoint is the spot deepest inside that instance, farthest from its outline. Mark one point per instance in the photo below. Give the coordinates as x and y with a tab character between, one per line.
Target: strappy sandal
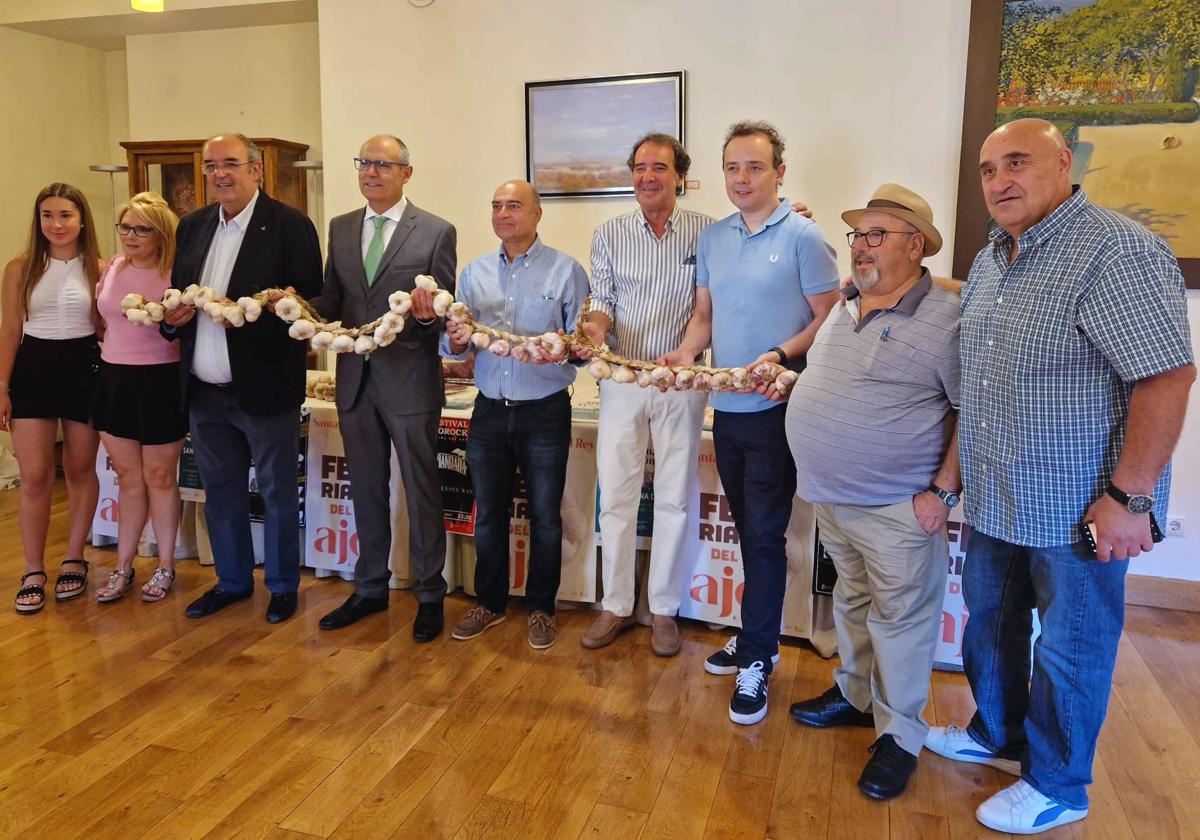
38	589
79	578
160	580
118	584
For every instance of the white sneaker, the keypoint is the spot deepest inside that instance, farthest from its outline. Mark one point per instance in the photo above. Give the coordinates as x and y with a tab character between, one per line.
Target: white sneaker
958	745
1022	809
723	662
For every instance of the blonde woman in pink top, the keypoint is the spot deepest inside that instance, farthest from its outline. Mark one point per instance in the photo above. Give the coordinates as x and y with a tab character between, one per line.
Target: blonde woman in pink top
137	406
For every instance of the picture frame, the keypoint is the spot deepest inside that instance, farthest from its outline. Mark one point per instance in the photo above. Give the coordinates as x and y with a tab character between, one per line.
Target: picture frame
578	132
979	120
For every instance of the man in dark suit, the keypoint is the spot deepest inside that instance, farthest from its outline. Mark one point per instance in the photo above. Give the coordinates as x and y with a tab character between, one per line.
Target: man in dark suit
394	395
243	387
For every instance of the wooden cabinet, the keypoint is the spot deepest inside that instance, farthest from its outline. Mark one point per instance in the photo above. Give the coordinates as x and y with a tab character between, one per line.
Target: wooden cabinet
172	169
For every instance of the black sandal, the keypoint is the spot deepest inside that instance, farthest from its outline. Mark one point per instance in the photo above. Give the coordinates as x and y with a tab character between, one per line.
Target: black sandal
38	589
71	577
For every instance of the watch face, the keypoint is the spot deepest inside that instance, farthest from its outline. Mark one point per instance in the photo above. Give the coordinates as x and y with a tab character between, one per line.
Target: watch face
1140	504
951	500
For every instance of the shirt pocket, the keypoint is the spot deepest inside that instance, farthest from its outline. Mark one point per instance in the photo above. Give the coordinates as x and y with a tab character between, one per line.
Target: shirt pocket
538	314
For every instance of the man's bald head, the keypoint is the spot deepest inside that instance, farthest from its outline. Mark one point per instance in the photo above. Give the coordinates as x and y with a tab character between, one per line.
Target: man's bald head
1025	169
516	211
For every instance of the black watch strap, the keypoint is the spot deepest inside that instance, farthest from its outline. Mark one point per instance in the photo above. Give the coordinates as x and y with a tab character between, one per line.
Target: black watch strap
783	357
1137	503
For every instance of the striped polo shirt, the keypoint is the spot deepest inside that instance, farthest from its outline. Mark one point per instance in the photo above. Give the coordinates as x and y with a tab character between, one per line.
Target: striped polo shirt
871	416
646	285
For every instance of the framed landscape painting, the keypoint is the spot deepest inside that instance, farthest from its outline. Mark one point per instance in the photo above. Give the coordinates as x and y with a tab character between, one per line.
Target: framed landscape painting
578	132
1121	79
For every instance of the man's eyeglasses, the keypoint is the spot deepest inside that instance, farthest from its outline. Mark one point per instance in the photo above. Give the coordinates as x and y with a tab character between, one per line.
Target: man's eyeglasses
875	236
363	164
140	231
210	166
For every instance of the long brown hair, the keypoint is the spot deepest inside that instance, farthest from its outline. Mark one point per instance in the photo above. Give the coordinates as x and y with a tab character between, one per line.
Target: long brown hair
37	252
154	209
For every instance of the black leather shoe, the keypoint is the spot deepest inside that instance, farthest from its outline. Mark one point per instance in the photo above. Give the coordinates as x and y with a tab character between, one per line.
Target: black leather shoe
282	607
356	607
213	600
830	709
886	774
428	625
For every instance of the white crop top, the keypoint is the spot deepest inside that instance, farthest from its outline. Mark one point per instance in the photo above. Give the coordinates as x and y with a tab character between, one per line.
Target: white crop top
61	304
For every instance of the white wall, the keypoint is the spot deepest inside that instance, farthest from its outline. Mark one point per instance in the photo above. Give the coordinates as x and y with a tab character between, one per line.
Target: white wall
863	92
261	81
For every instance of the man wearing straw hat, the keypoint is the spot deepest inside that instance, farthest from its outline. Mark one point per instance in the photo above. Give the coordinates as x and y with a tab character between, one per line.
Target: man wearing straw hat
873	432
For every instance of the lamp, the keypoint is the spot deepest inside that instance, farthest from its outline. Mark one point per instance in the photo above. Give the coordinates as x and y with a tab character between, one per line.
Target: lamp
112	169
146	5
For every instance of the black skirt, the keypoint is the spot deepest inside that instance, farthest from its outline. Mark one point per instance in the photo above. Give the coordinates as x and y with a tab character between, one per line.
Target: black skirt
139	402
54	378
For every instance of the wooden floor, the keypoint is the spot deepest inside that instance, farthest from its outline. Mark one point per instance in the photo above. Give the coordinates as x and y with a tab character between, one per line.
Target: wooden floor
128	720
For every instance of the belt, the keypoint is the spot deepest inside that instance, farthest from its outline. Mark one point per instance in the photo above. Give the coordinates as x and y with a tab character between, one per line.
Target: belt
507	403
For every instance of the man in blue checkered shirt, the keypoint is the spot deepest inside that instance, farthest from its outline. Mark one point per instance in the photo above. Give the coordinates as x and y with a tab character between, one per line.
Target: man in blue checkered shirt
1076	366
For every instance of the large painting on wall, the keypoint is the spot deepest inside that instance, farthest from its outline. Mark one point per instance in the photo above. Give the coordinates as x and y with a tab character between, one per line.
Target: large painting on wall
578	132
1121	78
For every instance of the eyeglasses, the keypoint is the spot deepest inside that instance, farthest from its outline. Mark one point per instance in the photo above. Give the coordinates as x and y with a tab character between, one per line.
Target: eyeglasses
363	164
210	166
140	231
875	236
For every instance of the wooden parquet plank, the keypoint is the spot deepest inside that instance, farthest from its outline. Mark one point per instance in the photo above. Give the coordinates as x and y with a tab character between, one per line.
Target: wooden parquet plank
387	805
682	806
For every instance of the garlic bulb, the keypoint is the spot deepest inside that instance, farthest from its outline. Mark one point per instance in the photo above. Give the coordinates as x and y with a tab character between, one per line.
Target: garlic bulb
624	375
204	296
138	316
740	379
600	369
643	379
155	310
766	372
400	302
302	330
364	344
662	377
393	321
683	380
702	381
189	295
235	316
322	340
342	344
441	303
287	309
785	380
481	340
383	336
214	310
535	351
424	281
172	298
251	308
500	347
458	312
132	301
520	352
722	380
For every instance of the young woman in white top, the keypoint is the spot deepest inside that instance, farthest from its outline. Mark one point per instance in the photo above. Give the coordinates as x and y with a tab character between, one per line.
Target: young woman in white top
49	356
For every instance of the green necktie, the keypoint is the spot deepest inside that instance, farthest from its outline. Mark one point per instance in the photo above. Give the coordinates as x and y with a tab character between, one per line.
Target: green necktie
374	250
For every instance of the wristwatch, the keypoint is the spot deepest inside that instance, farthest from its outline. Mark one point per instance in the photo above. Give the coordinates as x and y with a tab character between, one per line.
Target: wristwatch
949	499
1137	504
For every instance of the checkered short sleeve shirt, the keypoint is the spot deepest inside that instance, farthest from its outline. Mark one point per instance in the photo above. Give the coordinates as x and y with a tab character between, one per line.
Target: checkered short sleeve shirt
1052	345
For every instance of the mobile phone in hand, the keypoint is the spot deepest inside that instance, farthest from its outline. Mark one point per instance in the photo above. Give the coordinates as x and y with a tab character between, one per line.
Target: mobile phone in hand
1089	532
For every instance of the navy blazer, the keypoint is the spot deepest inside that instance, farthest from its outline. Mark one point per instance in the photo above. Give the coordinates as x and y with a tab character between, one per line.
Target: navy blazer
280	249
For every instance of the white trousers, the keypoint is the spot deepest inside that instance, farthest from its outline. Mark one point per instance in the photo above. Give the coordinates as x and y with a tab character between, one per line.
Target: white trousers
630	417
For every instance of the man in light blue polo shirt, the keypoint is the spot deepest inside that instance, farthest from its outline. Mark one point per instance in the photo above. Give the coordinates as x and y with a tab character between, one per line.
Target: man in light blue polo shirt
765	280
522	416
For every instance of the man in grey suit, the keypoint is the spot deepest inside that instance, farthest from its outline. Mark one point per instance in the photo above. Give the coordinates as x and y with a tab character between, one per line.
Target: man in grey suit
394	395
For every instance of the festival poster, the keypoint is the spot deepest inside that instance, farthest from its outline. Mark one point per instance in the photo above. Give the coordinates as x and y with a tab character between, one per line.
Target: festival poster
713	555
458	497
948	653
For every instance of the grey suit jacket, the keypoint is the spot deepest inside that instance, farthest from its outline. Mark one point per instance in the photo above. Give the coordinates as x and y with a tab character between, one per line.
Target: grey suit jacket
422	243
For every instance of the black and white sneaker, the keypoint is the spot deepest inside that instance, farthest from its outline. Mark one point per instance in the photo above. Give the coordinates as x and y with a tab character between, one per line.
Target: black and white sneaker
723	662
749	702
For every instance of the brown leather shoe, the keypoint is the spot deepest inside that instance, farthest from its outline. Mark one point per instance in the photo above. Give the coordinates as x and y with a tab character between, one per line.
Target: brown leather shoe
664	635
542	630
604	630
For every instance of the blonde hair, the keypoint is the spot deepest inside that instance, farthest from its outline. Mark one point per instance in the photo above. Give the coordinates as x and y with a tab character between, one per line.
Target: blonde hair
37	252
158	214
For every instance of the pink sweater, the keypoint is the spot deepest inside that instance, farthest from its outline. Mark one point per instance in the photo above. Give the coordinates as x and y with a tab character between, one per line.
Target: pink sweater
126	343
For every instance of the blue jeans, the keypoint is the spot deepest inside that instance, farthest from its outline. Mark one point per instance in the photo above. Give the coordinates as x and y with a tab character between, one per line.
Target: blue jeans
758	476
1052	721
536	437
225	438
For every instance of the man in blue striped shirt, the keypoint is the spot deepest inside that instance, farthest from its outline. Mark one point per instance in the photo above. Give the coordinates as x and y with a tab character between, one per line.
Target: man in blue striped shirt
1076	366
522	416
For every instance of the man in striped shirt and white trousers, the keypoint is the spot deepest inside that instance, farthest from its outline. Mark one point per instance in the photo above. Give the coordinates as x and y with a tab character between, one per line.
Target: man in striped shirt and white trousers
643	289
